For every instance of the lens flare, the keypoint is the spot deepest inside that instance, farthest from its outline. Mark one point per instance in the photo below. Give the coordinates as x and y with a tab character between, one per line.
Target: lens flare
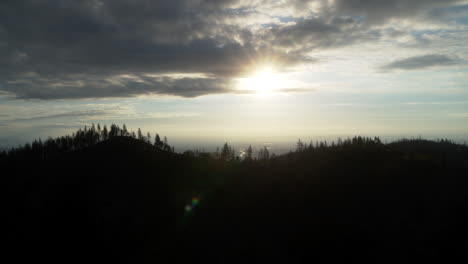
195	201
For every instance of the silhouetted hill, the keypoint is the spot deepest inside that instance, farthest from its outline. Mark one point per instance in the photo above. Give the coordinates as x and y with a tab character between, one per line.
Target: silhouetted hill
123	199
100	198
338	203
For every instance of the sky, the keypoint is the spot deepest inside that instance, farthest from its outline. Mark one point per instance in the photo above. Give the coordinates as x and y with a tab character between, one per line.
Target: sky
202	72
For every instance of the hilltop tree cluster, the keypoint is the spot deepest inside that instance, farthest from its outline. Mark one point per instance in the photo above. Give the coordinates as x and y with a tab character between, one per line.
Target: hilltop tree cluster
81	139
358	141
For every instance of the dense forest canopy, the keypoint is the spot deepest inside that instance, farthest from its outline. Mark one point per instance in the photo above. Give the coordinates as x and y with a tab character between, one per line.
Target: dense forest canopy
119	195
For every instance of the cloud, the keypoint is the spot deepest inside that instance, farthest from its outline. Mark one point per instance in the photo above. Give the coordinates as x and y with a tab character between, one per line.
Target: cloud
85	113
69	49
77	49
92	86
420	62
379	11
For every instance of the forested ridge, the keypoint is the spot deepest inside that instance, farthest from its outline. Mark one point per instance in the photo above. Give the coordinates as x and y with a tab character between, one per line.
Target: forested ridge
125	196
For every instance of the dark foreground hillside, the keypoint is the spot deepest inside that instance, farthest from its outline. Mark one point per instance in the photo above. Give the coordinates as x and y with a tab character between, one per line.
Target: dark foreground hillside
125	200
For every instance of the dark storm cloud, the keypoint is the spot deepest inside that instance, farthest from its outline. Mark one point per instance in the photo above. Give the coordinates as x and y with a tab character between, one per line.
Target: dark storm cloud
73	49
420	62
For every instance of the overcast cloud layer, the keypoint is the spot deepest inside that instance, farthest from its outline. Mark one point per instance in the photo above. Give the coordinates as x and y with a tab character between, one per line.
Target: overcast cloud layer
114	48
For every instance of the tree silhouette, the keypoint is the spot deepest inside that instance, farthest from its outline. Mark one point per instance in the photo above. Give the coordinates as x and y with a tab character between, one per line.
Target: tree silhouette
114	131
105	134
139	134
124	131
157	141
227	152
263	154
249	152
299	146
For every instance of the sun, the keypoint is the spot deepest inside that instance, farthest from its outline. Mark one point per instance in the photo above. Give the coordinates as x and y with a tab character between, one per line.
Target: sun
265	81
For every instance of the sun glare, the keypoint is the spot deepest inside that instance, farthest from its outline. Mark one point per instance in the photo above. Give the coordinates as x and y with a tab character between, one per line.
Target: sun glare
265	81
